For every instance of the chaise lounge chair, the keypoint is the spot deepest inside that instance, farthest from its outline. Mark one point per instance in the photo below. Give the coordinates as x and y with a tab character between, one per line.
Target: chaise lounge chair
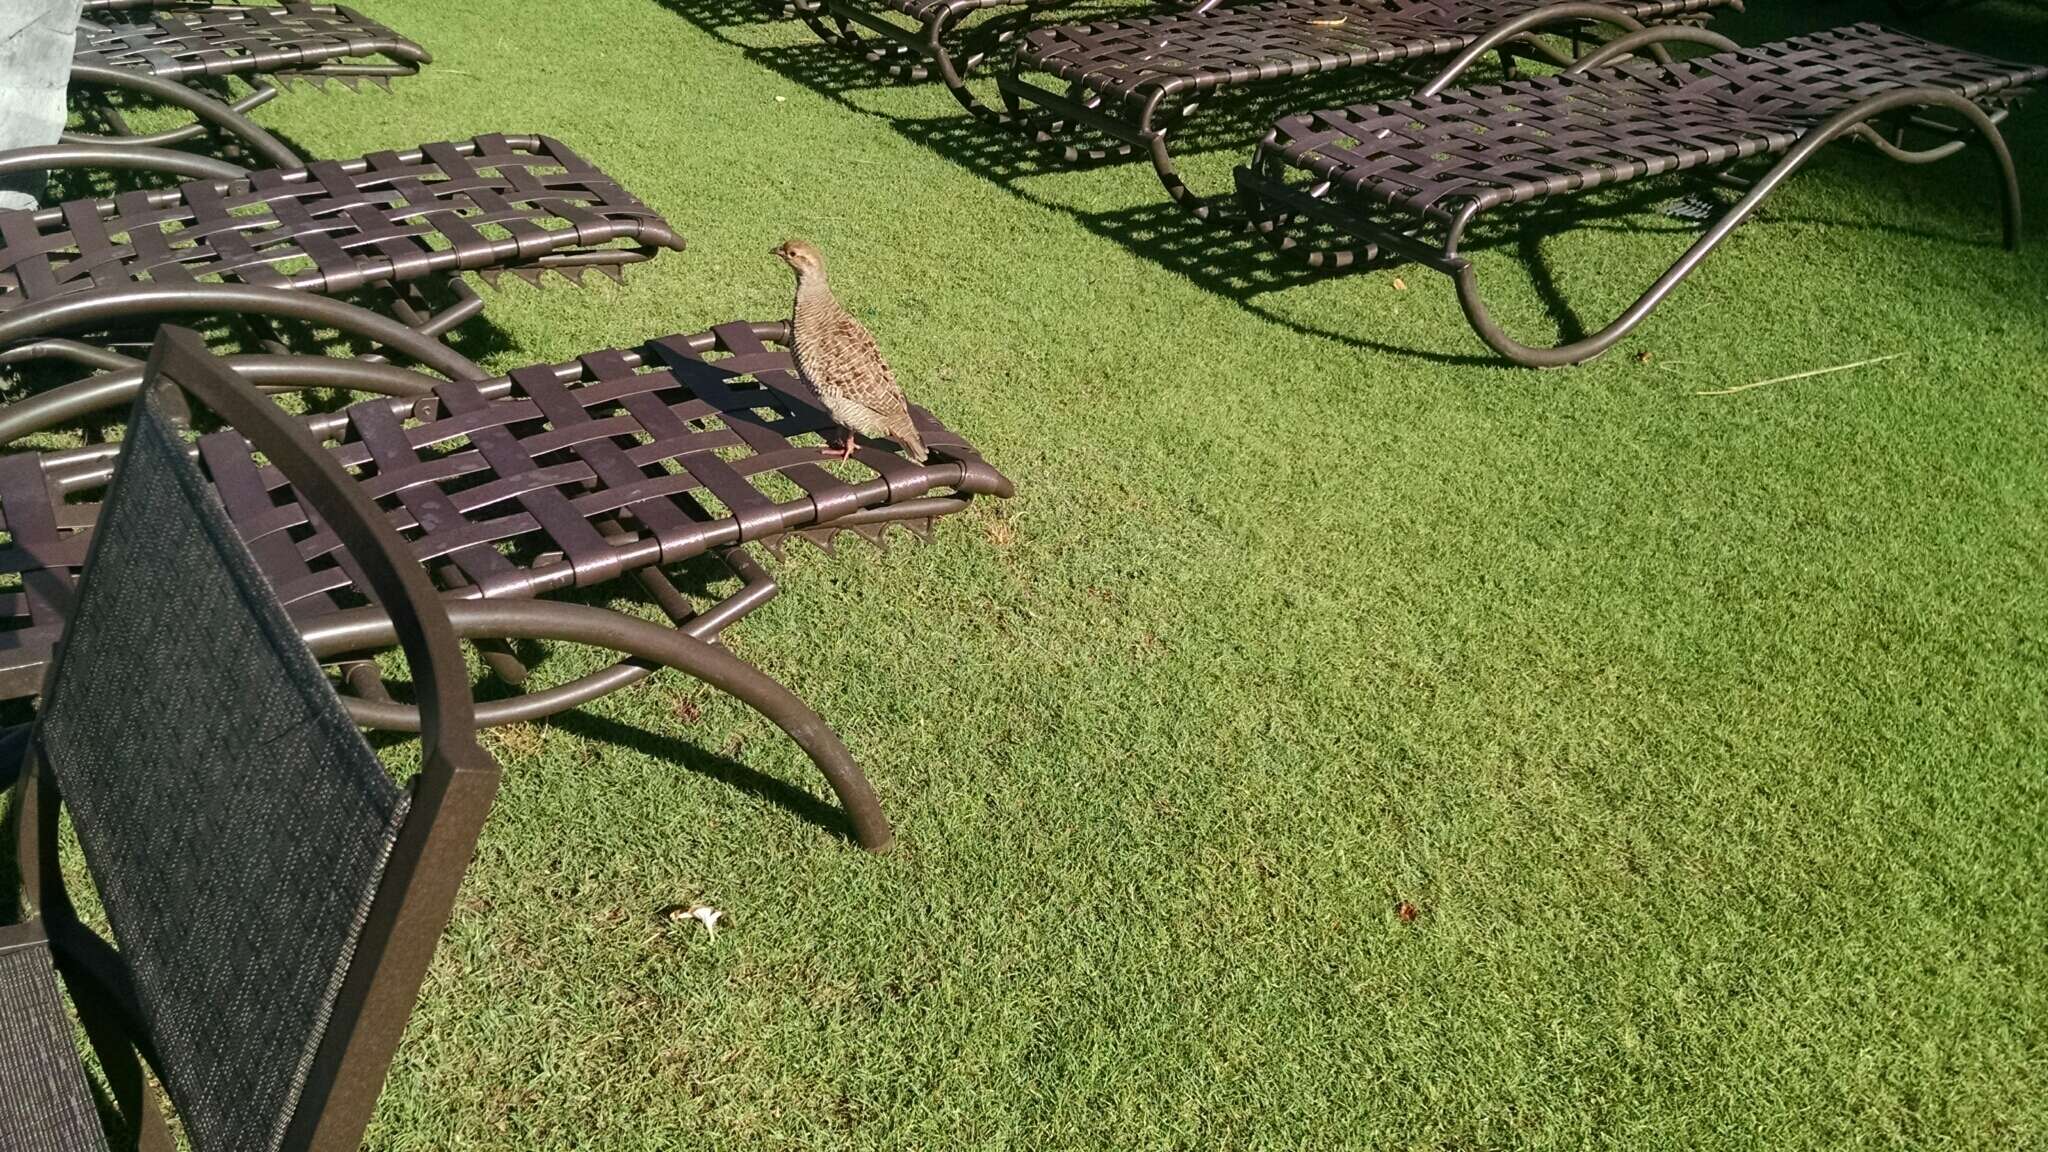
273	897
168	55
1138	80
556	477
1407	178
267	242
917	36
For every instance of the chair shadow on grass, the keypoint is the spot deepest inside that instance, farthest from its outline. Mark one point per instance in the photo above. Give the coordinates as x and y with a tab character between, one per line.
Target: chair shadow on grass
683	750
716	15
702	579
1237	263
690	756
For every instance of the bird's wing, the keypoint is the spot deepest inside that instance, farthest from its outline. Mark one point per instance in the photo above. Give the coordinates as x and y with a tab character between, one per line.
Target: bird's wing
865	377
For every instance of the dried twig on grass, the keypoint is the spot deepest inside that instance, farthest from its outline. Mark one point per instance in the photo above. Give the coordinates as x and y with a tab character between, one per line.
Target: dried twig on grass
1800	375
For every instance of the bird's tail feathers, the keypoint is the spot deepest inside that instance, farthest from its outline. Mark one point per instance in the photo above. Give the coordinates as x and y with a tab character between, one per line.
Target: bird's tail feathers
913	444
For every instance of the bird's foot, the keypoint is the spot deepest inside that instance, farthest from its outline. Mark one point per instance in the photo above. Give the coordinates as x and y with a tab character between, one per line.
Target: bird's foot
845	453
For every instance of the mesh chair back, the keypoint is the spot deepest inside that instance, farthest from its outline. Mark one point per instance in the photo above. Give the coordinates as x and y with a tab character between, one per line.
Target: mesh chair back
236	824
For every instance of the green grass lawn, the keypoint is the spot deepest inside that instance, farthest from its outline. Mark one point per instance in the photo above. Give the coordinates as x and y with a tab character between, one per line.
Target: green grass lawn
1706	733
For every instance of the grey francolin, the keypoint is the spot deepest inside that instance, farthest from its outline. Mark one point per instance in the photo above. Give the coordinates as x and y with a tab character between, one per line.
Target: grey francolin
838	358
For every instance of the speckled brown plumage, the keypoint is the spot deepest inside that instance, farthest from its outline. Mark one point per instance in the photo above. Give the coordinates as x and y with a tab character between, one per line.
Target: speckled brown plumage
838	358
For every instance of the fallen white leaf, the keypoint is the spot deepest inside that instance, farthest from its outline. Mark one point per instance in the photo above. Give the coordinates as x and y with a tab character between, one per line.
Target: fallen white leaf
709	917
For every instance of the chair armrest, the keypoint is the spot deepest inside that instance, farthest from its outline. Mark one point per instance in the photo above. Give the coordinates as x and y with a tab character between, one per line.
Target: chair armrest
133	159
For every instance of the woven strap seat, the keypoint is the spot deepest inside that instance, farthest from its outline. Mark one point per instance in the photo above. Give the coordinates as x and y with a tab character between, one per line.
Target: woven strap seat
45	1103
228	40
494	203
1520	141
555	477
1135	60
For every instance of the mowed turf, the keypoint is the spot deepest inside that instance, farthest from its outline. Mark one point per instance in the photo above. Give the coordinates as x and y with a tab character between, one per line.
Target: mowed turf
1704	734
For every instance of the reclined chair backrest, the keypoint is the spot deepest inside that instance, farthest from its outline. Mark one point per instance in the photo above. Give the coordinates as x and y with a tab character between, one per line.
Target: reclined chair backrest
273	894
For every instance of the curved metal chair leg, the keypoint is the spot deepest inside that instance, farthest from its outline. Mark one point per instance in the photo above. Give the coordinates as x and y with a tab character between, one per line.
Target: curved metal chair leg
1519	28
263	94
408	306
1215	211
649	646
74	351
1847	122
896	59
202	106
1047	130
1274	224
985	41
1655	35
119	156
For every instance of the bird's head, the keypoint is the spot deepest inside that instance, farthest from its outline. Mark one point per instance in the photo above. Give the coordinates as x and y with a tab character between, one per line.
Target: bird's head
802	256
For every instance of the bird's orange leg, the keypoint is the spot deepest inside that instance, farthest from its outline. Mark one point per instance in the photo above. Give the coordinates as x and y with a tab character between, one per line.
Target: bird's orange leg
847	452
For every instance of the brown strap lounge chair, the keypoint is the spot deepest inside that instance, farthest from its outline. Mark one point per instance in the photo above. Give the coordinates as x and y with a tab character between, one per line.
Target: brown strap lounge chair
273	898
176	56
1139	80
917	37
274	242
1407	178
555	478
